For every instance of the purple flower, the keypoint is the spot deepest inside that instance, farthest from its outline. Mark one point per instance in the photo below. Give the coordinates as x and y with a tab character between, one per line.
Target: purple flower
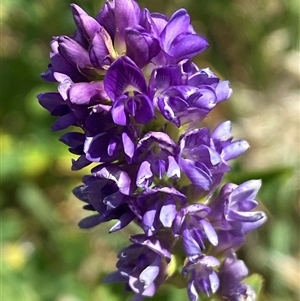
116	17
232	216
203	155
231	274
156	153
105	192
157	208
191	223
142	265
184	94
202	276
126	86
178	38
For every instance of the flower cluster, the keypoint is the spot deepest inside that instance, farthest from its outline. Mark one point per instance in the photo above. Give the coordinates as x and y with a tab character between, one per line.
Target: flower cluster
127	82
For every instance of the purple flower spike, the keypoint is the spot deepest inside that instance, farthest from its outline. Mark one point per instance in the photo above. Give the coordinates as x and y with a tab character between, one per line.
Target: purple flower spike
126	79
202	277
126	86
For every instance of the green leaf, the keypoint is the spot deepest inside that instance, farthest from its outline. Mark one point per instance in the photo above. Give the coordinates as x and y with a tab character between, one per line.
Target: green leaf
256	282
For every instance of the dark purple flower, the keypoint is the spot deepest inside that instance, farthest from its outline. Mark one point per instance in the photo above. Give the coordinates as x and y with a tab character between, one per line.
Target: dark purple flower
116	17
178	38
141	46
202	277
157	208
192	225
61	65
231	274
184	94
126	86
105	192
156	153
203	155
142	265
232	216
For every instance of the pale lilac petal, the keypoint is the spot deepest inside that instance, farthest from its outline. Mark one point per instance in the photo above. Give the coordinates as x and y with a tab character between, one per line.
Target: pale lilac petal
167	214
234	149
87	93
187	45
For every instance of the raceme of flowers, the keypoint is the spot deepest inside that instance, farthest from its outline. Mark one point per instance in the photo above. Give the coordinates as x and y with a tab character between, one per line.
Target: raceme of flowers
127	83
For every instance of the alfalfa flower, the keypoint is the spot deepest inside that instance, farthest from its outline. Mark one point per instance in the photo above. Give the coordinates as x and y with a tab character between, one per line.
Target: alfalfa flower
135	101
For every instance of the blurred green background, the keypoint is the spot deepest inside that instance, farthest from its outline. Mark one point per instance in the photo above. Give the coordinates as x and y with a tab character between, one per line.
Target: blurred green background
44	255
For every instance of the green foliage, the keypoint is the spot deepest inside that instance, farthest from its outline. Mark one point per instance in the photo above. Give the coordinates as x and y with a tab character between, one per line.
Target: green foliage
45	257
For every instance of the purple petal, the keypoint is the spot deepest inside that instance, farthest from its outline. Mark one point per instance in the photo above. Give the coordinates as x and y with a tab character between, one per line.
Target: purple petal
149	274
149	217
197	176
141	48
165	77
123	73
249	226
192	292
98	48
73	139
247	190
223	91
128	144
64	121
118	111
90	221
245	216
145	176
144	112
187	45
73	52
178	23
80	163
126	15
87	25
160	21
167	214
210	232
54	103
234	149
222	131
122	179
190	245
65	83
173	168
123	221
87	93
152	243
